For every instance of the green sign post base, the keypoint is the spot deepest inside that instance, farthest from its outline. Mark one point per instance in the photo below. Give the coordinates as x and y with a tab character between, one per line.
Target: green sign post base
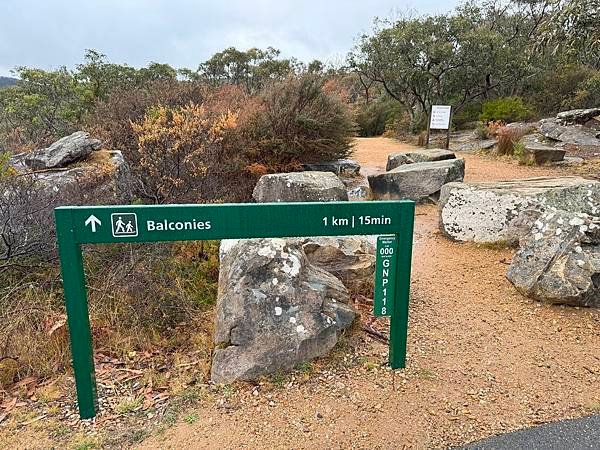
77	225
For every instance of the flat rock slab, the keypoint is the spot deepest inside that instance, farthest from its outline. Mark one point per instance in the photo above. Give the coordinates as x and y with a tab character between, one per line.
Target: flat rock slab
576	135
425	155
419	181
543	154
69	149
578	115
485	212
343	167
475	145
300	187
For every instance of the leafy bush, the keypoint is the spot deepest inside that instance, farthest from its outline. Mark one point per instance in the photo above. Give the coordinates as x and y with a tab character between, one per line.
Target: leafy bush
297	121
506	109
373	118
112	118
563	85
175	148
587	94
482	132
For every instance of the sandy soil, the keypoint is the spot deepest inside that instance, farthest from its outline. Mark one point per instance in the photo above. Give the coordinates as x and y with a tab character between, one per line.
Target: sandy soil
482	358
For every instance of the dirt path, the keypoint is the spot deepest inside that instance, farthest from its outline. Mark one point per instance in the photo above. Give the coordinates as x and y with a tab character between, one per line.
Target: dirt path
482	359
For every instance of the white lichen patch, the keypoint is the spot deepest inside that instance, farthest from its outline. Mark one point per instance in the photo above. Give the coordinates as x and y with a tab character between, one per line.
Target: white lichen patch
293	268
300	329
278	310
292	320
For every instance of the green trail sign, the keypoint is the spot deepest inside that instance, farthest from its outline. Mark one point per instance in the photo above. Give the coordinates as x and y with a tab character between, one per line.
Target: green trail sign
77	225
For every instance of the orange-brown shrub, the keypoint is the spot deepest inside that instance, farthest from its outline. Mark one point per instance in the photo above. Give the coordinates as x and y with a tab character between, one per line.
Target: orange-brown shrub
508	138
288	123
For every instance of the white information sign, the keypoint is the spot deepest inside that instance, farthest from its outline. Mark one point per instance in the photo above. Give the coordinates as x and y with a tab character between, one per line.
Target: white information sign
440	117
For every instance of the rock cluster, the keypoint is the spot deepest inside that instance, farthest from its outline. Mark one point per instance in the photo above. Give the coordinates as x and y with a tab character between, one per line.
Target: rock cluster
555	221
284	301
74	160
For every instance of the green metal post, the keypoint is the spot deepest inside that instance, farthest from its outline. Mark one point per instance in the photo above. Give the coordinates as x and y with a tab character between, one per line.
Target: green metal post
77	315
399	320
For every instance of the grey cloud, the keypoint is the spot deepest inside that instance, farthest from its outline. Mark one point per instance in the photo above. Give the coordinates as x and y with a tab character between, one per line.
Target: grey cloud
52	33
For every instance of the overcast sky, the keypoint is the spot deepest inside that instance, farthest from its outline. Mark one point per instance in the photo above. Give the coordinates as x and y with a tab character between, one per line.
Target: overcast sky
183	33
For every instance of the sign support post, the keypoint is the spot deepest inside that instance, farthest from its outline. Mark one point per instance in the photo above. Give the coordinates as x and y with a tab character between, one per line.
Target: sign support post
78	225
73	275
399	320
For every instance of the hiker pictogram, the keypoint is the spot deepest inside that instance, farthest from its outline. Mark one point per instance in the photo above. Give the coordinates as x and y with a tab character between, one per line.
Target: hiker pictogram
124	224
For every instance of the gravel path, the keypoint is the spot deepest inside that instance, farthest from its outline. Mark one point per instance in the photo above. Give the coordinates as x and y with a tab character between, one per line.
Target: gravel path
482	359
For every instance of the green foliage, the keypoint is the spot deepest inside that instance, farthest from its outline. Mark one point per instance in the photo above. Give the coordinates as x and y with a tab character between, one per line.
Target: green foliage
506	109
252	69
300	122
373	117
568	85
46	105
587	94
482	131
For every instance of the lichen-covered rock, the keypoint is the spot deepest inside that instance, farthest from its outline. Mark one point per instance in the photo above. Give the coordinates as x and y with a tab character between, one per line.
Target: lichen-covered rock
426	155
63	152
559	259
274	310
300	187
419	181
483	212
343	167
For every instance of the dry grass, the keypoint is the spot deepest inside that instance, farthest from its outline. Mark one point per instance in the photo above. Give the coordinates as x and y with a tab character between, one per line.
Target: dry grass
508	139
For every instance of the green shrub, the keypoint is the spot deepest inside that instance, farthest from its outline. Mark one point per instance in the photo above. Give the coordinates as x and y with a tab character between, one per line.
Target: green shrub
373	118
466	116
506	109
587	94
482	132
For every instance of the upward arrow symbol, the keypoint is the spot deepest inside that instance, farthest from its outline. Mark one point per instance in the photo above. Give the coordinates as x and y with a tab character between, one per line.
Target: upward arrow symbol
93	221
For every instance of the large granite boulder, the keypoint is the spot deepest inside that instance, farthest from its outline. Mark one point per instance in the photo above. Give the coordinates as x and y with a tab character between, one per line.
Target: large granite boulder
342	167
63	152
274	309
419	181
426	155
300	187
559	259
484	212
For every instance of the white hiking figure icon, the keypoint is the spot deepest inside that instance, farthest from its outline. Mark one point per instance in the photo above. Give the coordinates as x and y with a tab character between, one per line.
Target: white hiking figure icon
120	226
129	227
